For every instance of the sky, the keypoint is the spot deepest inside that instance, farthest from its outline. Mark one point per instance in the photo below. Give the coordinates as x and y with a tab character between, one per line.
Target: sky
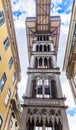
26	8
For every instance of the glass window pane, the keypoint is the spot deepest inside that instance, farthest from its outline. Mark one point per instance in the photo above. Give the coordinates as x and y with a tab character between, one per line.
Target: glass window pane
2	19
40	90
6	43
14	77
3	81
7	97
10	62
47	90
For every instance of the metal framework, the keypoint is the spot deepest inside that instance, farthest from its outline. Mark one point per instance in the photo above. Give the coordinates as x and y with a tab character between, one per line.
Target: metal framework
33	28
42	15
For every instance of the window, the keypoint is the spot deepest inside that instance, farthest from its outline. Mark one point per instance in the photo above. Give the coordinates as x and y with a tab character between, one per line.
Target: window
1	121
42	38
39	88
46	82
11	123
43	88
74	79
13	77
6	43
2	19
7	97
2	81
47	88
53	89
0	57
75	30
10	62
16	124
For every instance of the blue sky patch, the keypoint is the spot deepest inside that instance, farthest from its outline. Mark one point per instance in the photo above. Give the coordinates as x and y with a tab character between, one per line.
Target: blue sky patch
15	2
63	7
72	112
18	13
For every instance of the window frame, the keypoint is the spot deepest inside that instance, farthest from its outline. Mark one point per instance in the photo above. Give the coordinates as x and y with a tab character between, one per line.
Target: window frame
74	79
75	30
13	77
10	63
0	57
7	98
6	43
1	121
2	18
3	80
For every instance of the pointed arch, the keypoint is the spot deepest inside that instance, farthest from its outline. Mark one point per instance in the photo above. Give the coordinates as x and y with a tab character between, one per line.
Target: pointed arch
53	89
37	38
40	61
37	48
50	63
45	49
40	48
34	88
60	125
36	62
45	62
48	48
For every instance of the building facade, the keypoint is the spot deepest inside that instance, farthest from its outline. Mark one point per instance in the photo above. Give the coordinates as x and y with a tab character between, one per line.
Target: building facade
70	53
43	107
9	70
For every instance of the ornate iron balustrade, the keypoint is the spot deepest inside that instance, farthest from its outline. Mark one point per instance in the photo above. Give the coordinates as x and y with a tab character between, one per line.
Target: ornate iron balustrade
43	70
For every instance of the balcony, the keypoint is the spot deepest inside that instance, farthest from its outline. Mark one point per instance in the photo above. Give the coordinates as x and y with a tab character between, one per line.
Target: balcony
31	19
44	102
51	18
43	70
42	53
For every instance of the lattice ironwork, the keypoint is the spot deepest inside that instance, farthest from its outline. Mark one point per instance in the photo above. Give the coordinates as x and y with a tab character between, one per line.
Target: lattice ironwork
42	15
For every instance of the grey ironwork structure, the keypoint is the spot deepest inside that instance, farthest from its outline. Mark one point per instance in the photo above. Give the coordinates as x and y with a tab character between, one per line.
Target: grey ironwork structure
43	107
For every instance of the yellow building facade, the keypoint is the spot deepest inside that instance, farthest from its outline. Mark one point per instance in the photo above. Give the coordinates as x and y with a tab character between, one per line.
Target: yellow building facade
70	54
9	70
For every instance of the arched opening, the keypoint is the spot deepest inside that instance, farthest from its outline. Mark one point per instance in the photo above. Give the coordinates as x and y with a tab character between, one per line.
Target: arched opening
40	38
45	48
37	48
44	38
50	63
60	125
39	88
48	47
48	125
45	62
41	48
47	38
36	62
37	38
56	125
34	88
53	89
40	62
30	125
46	88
